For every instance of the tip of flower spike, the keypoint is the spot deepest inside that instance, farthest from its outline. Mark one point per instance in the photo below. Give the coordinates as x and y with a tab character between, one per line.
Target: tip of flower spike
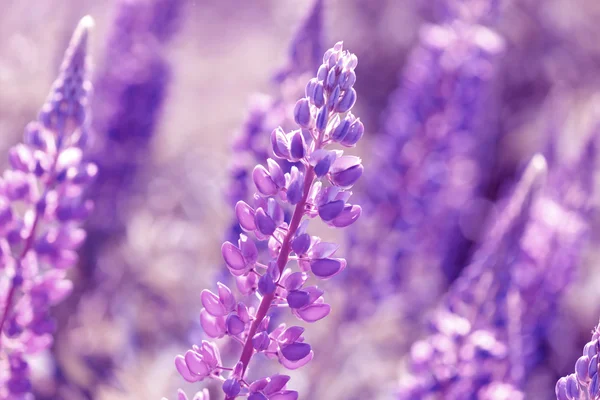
536	169
517	207
77	49
65	107
538	164
86	22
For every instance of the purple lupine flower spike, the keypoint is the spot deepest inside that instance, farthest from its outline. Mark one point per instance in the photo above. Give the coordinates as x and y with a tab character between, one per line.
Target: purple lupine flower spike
42	207
310	189
583	383
267	112
132	83
432	165
467	351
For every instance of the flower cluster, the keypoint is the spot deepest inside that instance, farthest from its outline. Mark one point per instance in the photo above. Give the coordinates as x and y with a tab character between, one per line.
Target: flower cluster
468	349
317	187
491	326
251	145
42	205
583	384
433	164
131	85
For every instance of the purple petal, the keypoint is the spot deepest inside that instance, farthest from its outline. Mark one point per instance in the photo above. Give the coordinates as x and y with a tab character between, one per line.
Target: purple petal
329	211
264	223
295	281
235	325
581	369
295	351
276	172
231	387
263	181
210	353
296	364
318	95
233	258
184	371
349	214
261	341
322	119
341	130
325	268
314	292
285	395
355	132
266	285
196	364
225	296
301	244
296	190
323	250
212	303
333	97
245	216
297	146
572	387
347	79
291	335
242	312
314	312
258	385
257	396
279	143
248	250
346	101
276	383
214	327
302	114
298	298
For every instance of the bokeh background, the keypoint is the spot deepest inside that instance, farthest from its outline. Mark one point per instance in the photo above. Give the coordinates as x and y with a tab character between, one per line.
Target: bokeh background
195	69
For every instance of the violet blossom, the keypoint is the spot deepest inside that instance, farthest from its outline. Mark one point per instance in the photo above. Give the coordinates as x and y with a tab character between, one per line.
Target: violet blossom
433	163
43	204
318	186
468	348
505	300
266	112
583	383
132	83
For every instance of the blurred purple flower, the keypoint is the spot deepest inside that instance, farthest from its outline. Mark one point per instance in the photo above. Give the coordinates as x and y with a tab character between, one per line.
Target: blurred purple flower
131	87
583	384
432	163
42	206
469	348
329	98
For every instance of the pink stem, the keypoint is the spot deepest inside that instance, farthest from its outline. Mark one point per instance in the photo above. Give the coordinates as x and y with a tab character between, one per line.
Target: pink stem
282	260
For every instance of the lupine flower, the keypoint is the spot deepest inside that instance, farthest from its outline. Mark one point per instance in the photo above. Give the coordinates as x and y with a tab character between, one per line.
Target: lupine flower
316	187
551	248
42	206
131	87
265	113
583	384
432	165
508	307
468	349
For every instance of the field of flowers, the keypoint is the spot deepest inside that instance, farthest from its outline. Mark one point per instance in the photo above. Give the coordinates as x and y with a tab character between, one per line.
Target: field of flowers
299	199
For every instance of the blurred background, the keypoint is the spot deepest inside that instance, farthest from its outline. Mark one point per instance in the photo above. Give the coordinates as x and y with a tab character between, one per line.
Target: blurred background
176	85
